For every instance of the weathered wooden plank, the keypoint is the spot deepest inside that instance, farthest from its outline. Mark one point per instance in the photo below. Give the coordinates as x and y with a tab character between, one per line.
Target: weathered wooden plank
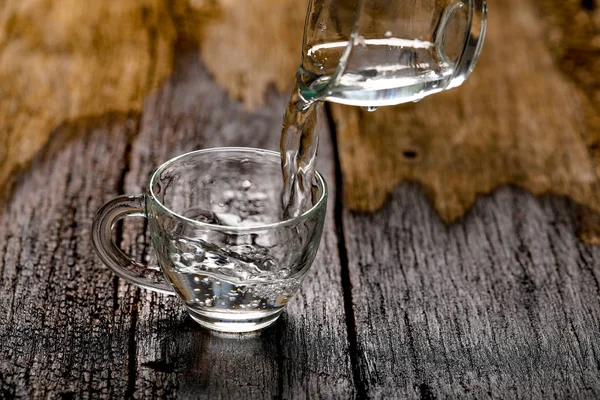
504	304
63	329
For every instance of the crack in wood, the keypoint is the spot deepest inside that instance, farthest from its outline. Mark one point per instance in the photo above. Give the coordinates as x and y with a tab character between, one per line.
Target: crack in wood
355	352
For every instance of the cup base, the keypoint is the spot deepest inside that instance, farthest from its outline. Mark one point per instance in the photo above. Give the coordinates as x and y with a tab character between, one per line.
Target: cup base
234	322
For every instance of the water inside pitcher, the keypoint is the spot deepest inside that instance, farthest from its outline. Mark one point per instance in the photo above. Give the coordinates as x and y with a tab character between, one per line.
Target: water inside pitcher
374	53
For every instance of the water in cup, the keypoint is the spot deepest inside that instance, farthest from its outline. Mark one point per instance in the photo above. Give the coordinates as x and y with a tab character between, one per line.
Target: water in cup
245	280
242	280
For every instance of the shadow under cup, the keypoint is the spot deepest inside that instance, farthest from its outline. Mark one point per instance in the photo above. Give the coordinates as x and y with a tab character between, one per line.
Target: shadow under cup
216	224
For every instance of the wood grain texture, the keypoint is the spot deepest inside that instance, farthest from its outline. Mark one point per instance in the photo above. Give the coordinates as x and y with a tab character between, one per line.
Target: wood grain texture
64	328
505	304
251	47
66	60
71	328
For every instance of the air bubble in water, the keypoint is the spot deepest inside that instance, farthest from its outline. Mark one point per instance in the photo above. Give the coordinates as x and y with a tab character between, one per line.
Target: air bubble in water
208	302
284	273
371	108
246	184
388	34
268	265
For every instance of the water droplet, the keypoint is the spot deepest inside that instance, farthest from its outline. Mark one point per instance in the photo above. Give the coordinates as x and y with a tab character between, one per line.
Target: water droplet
196	279
388	34
371	108
246	184
322	26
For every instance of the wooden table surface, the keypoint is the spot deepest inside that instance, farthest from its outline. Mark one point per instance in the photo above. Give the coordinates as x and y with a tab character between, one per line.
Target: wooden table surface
503	304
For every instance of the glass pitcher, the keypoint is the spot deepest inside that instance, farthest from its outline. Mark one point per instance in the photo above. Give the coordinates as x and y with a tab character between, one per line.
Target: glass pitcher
373	53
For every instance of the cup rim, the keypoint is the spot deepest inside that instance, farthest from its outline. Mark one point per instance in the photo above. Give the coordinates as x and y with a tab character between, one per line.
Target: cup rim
321	202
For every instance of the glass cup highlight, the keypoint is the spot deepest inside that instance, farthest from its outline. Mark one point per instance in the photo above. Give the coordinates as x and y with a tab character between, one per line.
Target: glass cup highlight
215	219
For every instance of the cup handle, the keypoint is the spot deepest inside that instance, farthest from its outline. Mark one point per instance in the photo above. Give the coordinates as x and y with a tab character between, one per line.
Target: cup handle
122	265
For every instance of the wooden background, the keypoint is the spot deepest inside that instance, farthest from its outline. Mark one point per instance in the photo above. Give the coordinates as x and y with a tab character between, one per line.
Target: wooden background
527	117
503	303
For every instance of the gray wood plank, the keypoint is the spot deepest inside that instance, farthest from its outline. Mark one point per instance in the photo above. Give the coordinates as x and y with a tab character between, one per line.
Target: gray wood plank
503	304
69	328
63	330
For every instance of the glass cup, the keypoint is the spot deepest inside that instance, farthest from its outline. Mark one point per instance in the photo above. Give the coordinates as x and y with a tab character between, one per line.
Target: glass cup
374	53
215	219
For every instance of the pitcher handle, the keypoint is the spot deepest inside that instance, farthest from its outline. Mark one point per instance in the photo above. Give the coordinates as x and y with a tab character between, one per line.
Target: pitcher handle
121	264
474	37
